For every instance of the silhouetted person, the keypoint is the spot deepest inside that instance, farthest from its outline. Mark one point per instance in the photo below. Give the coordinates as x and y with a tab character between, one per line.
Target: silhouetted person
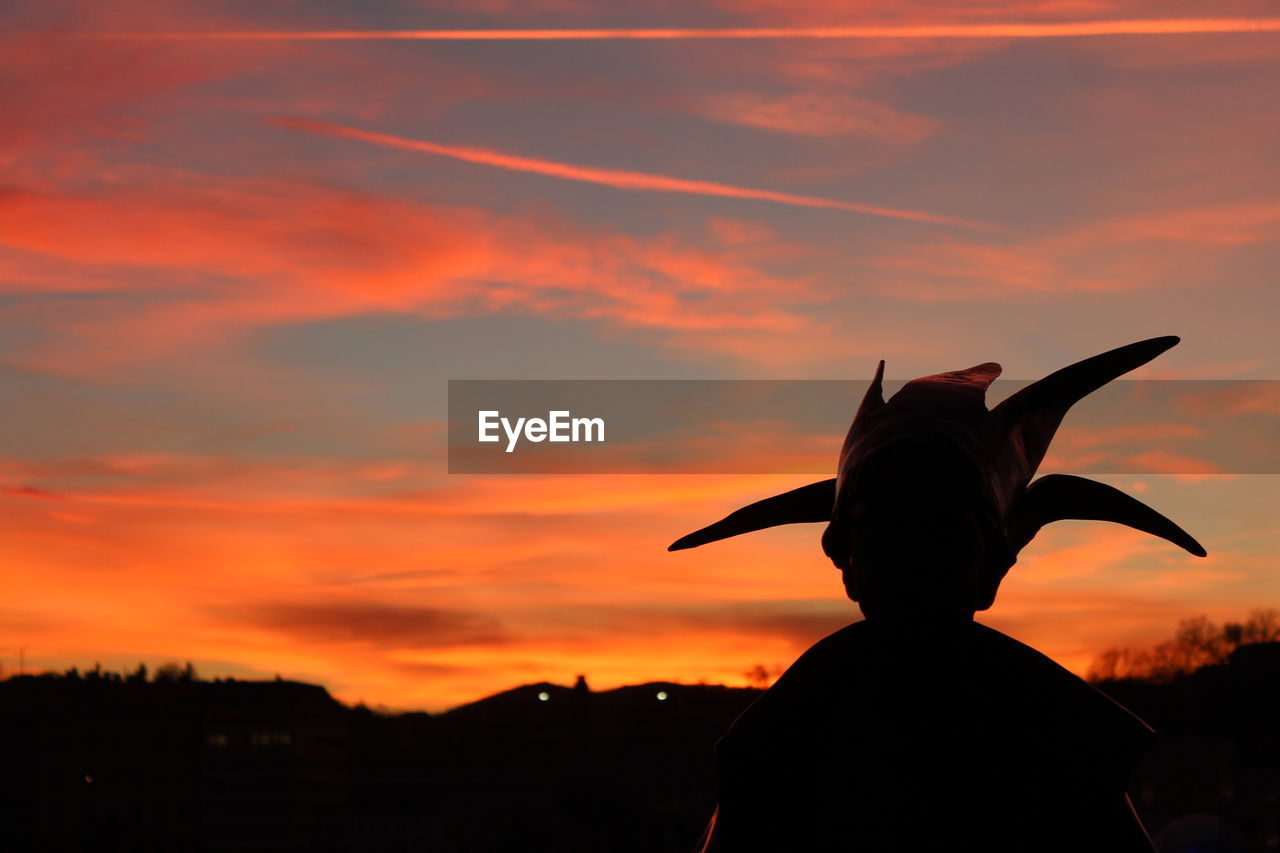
919	729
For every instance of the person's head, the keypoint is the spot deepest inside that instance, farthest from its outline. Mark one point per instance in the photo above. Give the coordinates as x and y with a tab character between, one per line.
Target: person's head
932	500
916	530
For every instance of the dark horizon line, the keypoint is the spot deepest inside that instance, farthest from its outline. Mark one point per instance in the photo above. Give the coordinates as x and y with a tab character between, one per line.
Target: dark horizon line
121	677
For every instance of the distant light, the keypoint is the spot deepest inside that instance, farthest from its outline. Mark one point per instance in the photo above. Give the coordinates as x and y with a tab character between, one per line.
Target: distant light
88	778
544	696
662	695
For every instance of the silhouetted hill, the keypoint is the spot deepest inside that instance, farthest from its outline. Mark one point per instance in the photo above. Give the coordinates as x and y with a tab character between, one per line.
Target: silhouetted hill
106	763
547	767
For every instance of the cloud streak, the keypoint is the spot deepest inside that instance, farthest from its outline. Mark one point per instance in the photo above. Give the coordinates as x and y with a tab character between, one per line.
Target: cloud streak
374	623
1066	29
616	178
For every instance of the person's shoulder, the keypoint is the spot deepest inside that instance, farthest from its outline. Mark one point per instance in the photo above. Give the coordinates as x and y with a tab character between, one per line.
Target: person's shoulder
837	644
1039	674
803	692
1054	700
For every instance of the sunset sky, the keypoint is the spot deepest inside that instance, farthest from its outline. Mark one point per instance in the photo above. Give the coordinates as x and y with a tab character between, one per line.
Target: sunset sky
244	245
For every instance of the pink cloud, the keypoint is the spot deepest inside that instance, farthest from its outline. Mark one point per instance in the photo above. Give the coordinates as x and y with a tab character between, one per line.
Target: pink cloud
814	114
258	252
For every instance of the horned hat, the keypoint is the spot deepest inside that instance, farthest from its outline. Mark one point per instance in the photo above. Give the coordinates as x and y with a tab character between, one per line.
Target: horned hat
934	453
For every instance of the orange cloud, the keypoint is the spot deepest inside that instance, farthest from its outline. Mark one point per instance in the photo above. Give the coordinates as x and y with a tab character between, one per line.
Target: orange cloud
1071	551
1192	578
371	602
813	114
1082	437
31	492
1227	225
1111	448
83	100
263	252
1158	461
968	272
1233	400
329	590
1114	254
394	584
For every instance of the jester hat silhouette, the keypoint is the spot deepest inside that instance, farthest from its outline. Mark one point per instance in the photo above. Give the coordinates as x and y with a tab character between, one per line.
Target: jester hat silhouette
936	435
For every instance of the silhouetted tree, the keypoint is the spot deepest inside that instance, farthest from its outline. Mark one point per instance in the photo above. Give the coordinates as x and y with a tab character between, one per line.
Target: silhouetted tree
170	671
1198	642
761	676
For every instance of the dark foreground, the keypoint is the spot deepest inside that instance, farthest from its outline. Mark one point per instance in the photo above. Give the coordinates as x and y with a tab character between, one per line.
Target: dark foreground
125	764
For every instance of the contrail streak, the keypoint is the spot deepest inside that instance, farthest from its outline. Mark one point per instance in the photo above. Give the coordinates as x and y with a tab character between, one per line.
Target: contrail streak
1076	29
618	178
